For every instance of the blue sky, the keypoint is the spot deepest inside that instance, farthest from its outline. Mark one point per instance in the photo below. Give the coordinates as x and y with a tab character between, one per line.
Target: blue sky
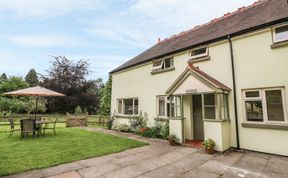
105	32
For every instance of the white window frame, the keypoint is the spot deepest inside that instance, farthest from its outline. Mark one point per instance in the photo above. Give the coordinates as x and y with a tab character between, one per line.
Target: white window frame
262	98
158	67
123	108
274	33
165	107
162	65
216	106
199	55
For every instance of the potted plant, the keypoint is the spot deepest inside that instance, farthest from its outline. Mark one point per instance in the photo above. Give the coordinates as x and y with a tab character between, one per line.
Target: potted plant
172	138
209	145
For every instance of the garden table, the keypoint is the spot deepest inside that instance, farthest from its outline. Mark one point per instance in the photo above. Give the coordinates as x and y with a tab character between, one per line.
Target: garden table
39	125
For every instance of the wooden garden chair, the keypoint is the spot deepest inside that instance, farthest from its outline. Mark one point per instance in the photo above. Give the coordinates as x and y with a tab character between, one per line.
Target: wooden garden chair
28	126
50	126
12	127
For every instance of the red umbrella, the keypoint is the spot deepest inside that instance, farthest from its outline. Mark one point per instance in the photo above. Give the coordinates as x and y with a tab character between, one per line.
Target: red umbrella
34	91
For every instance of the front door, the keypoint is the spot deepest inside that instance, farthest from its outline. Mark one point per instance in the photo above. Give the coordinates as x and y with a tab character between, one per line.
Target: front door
197	118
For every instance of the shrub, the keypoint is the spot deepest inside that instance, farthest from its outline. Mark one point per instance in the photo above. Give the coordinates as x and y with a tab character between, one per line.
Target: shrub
110	121
165	130
138	122
78	110
122	128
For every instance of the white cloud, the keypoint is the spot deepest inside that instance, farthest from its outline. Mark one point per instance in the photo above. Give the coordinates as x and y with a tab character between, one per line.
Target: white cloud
183	14
122	32
45	8
141	23
47	40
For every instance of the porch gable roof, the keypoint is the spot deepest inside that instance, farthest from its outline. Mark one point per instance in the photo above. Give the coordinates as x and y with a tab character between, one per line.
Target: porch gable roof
201	76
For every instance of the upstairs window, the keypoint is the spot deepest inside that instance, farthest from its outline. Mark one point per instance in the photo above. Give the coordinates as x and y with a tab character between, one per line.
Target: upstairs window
128	106
281	33
199	53
166	63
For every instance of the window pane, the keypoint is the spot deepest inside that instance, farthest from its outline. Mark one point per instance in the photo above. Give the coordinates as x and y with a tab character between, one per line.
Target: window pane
225	110
281	33
128	106
274	105
157	63
198	51
161	106
254	111
250	94
136	106
120	106
209	99
168	109
176	106
209	112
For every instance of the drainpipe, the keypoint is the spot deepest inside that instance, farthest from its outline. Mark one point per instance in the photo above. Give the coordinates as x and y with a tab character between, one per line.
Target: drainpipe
234	91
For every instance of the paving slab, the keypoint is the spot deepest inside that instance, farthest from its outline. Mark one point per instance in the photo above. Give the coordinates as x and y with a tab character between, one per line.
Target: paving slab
165	171
62	169
251	164
276	167
97	160
127	172
98	170
72	174
214	166
233	172
28	174
198	173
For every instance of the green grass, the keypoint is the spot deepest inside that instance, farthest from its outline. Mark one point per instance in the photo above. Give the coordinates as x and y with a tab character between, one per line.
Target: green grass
70	144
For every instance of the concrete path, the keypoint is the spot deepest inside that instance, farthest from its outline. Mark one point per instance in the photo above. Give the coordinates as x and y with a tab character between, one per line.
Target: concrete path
160	160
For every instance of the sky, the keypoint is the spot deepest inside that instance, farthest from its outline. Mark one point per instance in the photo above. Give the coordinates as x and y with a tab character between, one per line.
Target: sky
106	33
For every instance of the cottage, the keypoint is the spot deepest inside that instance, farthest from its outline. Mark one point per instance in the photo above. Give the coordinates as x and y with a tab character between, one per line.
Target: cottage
226	80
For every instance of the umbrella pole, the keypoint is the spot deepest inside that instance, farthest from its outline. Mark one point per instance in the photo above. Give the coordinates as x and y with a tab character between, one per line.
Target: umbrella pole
36	107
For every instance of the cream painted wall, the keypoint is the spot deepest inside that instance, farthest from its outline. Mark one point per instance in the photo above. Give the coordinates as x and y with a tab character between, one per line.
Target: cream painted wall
176	127
140	83
258	66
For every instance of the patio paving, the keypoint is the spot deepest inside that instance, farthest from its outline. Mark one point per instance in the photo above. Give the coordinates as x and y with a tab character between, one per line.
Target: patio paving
160	160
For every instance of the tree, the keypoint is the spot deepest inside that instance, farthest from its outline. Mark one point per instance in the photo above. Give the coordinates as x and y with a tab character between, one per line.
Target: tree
12	83
68	77
3	77
105	103
31	78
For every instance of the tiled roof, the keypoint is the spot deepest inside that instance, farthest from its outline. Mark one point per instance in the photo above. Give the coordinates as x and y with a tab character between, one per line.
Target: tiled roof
258	15
207	77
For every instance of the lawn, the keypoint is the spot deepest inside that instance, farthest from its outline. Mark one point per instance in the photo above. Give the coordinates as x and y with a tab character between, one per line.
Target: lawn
70	144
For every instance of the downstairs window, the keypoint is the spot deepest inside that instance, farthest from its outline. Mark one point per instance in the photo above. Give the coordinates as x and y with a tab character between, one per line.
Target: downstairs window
128	106
265	105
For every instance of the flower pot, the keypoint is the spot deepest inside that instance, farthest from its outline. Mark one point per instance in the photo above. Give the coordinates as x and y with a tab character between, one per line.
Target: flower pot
210	150
172	142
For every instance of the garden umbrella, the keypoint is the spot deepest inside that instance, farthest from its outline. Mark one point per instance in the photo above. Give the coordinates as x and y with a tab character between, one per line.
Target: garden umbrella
36	91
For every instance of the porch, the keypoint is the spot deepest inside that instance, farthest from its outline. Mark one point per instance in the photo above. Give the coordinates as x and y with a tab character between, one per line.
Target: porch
199	108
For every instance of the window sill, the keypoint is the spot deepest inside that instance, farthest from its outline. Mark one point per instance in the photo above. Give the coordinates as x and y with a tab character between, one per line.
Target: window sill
214	120
279	44
161	118
265	126
199	59
126	116
176	118
163	70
